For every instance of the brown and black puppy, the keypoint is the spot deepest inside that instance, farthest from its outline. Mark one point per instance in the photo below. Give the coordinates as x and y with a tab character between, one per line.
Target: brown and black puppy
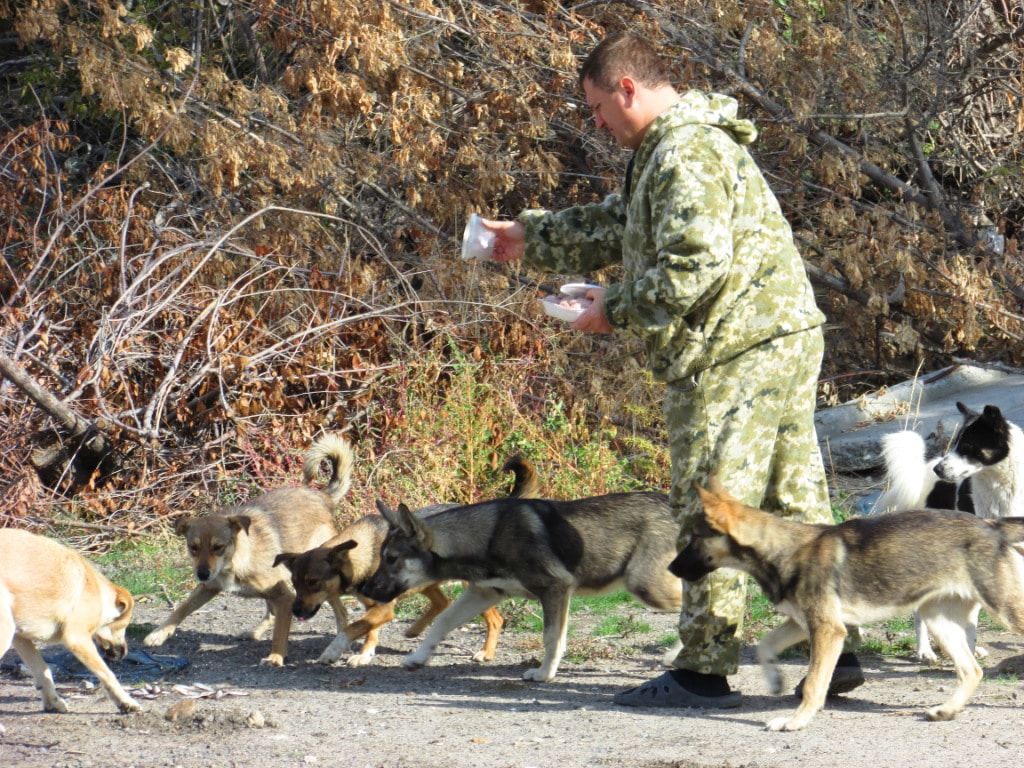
235	551
341	566
50	593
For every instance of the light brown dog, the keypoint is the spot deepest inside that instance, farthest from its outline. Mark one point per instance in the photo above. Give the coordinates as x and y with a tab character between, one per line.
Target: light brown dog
49	593
235	551
341	566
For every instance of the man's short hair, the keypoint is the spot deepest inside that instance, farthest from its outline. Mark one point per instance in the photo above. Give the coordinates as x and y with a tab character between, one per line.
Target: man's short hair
623	54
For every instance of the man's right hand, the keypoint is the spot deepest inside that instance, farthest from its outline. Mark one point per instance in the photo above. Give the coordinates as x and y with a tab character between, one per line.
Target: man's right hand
510	239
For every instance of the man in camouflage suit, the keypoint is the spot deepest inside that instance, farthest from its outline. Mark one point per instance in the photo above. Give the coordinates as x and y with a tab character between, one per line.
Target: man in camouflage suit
716	288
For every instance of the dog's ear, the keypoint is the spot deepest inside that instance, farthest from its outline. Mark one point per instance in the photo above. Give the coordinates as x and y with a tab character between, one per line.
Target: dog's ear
124	602
240	523
394	519
337	556
715	487
285	558
181	525
992	413
417	529
719	506
964	409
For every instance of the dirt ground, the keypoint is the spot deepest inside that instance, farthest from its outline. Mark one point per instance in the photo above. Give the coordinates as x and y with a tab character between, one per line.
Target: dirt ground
455	713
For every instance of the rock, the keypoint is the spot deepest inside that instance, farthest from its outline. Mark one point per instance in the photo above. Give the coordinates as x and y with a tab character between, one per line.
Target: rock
183	710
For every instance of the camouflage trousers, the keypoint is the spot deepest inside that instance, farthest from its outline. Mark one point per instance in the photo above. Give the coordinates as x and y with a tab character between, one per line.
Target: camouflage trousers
750	421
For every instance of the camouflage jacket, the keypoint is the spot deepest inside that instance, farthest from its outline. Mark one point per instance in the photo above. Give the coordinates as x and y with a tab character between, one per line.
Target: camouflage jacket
711	269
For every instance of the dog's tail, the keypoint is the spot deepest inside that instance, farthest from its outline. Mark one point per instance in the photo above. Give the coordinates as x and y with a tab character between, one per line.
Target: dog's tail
526	485
908	476
338	451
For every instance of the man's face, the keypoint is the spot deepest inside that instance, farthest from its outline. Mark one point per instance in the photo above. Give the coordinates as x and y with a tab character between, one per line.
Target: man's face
615	111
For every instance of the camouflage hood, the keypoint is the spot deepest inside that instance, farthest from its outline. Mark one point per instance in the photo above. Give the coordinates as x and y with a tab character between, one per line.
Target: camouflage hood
697	108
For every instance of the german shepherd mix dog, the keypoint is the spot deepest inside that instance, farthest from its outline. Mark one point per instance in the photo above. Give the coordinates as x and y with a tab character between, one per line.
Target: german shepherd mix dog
532	547
867	569
50	593
234	551
343	564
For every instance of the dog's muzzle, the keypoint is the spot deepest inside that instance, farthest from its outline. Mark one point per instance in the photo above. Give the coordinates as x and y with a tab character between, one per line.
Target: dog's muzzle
113	651
381	590
690	565
302	612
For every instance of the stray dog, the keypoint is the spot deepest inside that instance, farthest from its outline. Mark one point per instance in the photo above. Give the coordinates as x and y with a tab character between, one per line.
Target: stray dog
343	564
867	569
234	551
538	548
51	593
983	472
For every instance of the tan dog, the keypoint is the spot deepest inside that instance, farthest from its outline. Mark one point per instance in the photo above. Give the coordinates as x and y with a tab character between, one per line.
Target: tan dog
235	551
827	577
341	566
49	593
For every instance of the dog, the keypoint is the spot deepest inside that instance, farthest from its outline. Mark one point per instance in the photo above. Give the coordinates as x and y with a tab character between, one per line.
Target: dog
50	593
537	548
343	564
235	550
983	473
824	577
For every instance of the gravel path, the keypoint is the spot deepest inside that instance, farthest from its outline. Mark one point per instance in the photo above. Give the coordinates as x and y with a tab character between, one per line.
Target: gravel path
458	714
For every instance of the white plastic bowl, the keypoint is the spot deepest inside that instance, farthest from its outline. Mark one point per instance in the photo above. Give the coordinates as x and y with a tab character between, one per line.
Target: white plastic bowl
577	289
555	310
567	291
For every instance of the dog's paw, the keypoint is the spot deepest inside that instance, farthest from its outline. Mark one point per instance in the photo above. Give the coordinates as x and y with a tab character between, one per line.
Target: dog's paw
361	659
413	662
785	723
157	637
128	706
273	660
937	714
538	675
927	656
480	657
980	652
56	704
773	678
328	657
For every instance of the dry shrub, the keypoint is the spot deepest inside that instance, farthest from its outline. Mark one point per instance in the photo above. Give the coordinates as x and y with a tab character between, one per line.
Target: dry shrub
227	230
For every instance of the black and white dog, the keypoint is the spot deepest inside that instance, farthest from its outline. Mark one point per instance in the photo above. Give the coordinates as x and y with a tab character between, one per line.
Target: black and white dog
983	473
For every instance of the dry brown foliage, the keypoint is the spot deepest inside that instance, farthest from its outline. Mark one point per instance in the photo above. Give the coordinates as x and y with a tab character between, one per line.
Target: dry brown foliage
229	225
